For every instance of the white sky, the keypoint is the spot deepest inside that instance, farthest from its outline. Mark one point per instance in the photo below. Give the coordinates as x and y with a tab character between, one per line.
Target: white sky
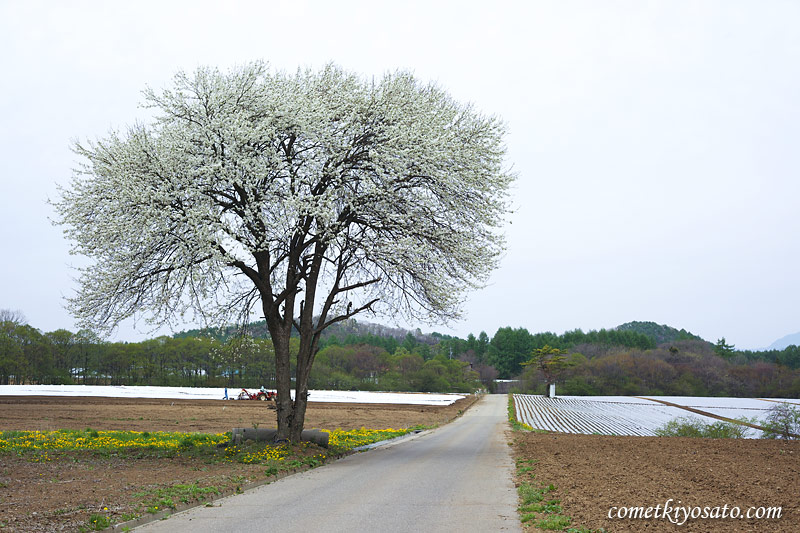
656	142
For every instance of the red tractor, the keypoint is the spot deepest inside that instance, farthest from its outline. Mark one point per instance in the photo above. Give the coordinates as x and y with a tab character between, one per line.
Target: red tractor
263	395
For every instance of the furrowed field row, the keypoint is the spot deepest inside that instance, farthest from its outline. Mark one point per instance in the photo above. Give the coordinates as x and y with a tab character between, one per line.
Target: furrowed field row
572	415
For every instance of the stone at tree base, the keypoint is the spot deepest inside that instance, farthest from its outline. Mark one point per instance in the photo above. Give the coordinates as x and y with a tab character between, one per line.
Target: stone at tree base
238	435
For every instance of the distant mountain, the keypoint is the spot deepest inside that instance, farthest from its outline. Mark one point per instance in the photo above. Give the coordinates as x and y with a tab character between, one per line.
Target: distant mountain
658	332
783	342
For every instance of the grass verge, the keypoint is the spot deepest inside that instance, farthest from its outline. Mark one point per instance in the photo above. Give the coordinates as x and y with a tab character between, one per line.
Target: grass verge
539	505
512	417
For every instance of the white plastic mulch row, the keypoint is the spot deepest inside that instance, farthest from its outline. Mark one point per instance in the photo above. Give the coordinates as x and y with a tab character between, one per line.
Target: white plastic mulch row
200	393
572	415
620	415
748	408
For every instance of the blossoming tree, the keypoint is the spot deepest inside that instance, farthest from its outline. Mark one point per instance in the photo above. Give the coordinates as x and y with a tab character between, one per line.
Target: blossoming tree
309	197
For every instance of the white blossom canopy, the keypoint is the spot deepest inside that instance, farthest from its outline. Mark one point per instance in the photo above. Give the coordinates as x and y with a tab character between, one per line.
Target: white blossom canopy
252	185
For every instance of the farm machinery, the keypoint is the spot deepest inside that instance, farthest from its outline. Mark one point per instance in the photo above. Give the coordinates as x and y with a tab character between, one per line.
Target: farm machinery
263	395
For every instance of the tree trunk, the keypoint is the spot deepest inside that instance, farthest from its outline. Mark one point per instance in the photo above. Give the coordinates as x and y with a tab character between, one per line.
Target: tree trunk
299	418
305	359
283	375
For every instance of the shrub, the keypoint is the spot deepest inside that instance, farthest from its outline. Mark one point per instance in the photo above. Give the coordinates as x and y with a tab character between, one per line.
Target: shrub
694	427
783	422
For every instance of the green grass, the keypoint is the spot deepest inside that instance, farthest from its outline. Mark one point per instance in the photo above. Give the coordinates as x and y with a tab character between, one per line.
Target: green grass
534	500
554	522
550	507
98	522
161	499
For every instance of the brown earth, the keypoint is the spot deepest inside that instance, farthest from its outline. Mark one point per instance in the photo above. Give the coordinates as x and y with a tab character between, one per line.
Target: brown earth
593	473
45	413
63	494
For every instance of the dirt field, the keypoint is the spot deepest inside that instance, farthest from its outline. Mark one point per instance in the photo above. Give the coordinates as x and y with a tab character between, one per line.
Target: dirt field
591	473
61	495
41	413
594	473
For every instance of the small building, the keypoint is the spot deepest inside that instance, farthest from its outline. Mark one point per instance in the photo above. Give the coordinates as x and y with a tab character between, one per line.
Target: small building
504	386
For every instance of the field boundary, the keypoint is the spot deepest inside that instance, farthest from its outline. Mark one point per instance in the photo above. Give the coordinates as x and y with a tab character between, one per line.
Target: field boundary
777	401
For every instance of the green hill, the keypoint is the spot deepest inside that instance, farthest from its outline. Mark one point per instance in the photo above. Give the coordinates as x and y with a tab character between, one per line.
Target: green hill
658	332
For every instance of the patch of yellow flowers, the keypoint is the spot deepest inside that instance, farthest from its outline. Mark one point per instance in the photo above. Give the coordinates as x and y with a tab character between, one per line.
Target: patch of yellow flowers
360	437
37	445
40	442
266	454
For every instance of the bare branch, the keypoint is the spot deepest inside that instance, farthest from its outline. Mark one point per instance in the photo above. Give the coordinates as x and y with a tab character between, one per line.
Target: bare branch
348	314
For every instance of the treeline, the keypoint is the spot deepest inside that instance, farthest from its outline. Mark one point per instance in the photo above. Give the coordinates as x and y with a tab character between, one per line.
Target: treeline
681	368
789	356
622	361
366	367
28	356
510	348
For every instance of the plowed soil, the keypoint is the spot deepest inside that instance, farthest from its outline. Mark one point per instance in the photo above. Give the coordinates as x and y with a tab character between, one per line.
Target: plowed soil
63	494
45	413
593	473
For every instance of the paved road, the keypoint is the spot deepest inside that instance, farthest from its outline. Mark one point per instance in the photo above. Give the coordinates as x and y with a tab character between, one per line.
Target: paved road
456	478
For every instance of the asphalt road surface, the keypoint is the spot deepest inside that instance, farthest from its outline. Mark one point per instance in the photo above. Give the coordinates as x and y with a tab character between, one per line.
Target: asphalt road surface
456	478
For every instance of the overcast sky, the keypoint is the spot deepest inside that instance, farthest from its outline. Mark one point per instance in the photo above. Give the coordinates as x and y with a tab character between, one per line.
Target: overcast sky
656	143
